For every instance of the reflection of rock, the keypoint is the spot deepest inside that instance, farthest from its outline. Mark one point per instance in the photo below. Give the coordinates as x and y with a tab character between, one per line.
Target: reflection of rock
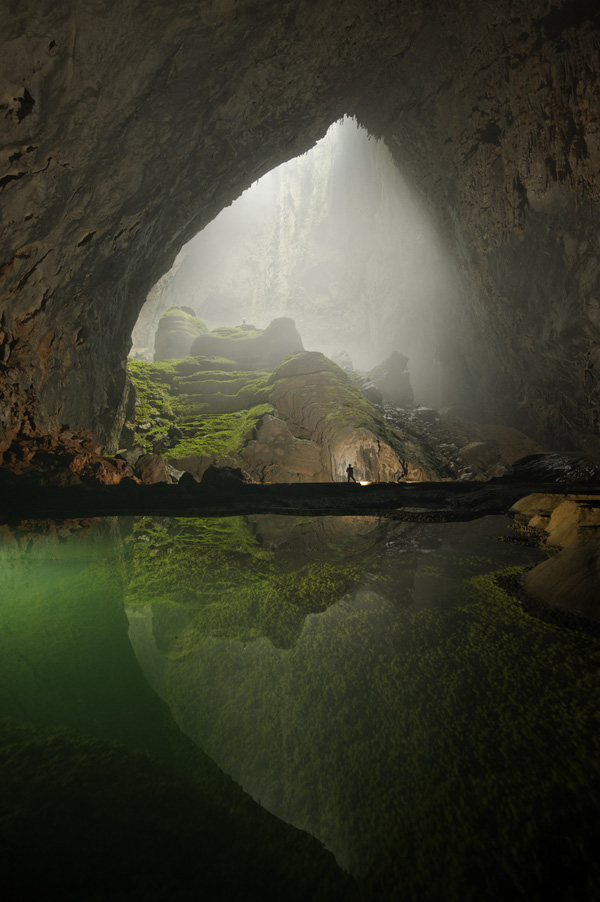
340	733
393	380
177	329
249	346
321	537
568	580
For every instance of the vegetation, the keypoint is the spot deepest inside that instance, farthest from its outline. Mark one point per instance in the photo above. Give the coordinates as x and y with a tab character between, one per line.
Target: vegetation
165	399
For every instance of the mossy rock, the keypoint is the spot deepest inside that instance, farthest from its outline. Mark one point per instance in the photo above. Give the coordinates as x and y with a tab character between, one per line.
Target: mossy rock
305	363
192	365
177	329
265	348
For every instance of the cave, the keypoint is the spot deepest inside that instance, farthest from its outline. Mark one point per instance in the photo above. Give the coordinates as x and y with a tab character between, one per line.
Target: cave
110	167
128	129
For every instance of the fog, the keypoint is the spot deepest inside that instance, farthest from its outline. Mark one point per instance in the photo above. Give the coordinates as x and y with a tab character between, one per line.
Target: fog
337	240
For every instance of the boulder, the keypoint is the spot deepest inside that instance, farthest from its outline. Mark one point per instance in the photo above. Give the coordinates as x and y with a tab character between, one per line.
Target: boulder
481	455
276	455
177	329
215	476
393	380
151	468
570	519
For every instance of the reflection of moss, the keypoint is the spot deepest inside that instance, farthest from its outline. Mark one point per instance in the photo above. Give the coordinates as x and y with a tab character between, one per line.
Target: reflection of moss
449	751
229	583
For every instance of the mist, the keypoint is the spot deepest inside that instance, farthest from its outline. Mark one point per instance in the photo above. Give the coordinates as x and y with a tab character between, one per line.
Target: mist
337	240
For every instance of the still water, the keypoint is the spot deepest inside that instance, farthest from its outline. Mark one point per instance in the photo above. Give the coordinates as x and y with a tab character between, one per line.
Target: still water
365	680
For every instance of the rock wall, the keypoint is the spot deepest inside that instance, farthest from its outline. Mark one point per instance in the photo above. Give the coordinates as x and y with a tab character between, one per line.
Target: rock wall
128	127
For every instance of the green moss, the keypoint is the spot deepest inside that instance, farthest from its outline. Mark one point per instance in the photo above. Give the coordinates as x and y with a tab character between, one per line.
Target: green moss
237	332
218	435
164	401
179	319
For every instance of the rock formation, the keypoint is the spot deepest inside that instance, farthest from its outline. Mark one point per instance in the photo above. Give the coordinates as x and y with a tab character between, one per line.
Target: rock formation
393	380
249	346
124	134
302	421
570	528
177	329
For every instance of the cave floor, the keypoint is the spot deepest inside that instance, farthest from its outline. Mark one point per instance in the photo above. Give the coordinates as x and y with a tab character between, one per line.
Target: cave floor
432	501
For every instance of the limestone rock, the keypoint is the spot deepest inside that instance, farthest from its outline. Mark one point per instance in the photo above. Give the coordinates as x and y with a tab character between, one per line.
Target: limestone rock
177	329
222	476
251	347
151	468
393	380
69	459
276	455
570	520
481	455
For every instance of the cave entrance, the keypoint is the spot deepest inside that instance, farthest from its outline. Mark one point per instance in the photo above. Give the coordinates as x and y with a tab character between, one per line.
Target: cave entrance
335	239
333	255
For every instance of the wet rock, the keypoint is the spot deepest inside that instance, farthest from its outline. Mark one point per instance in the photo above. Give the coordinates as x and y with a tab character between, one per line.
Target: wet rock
551	467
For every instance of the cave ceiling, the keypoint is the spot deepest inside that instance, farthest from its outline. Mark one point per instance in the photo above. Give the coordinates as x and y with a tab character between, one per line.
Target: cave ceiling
128	126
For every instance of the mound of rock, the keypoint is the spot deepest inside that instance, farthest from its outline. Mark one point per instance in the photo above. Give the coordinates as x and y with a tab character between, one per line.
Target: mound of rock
393	380
178	328
250	347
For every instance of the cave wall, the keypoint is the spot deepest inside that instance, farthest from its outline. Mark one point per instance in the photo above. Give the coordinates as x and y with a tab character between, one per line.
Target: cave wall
128	126
506	149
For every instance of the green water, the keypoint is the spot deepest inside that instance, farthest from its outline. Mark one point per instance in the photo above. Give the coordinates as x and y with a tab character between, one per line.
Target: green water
362	680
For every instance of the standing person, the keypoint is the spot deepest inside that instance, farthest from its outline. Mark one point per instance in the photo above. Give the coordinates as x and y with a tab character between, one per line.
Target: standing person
350	472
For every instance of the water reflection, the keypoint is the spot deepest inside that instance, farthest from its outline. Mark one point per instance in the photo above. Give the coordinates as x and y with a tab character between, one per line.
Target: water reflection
414	719
364	679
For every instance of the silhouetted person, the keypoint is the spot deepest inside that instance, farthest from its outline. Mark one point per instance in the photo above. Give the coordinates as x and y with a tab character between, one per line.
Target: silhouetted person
350	472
